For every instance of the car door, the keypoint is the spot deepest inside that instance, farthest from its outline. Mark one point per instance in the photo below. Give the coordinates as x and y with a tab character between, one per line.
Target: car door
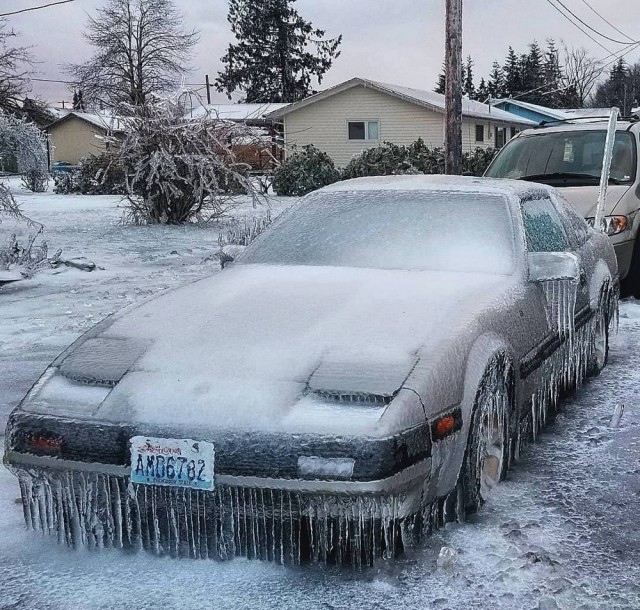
545	231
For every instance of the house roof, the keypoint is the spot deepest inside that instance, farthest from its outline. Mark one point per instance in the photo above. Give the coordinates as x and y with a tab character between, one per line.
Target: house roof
105	122
237	112
560	114
428	99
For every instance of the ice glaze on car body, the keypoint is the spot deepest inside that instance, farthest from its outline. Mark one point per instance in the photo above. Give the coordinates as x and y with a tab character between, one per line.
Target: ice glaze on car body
385	345
568	156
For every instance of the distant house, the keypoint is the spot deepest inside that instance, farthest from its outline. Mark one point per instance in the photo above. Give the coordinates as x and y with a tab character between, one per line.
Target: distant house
78	134
361	113
540	114
263	145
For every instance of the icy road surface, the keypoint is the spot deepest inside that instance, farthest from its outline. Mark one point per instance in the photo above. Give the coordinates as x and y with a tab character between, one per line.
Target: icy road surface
562	532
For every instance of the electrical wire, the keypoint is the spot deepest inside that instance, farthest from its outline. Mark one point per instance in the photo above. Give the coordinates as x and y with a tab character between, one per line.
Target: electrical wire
35	8
607	21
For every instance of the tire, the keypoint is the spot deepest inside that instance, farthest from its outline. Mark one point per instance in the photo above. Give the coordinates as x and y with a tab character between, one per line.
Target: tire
486	460
631	283
600	356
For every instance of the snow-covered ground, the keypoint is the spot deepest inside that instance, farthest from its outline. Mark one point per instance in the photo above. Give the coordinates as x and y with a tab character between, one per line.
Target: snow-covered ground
560	533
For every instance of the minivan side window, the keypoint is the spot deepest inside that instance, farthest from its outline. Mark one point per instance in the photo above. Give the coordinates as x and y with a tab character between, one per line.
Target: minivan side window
543	228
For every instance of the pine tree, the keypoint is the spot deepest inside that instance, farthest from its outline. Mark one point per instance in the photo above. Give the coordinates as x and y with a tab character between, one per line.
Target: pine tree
553	76
78	101
618	89
482	94
469	88
441	85
512	74
532	70
496	84
276	53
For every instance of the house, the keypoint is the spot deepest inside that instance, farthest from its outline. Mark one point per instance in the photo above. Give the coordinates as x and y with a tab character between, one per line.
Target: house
261	147
541	114
361	113
78	134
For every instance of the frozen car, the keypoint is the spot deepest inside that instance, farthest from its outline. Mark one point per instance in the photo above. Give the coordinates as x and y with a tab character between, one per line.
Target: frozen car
568	156
366	369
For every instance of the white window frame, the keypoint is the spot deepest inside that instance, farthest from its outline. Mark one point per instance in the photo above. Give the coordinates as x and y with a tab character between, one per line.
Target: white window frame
366	129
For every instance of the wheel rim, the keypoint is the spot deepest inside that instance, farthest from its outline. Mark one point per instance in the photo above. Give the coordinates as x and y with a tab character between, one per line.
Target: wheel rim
492	448
600	343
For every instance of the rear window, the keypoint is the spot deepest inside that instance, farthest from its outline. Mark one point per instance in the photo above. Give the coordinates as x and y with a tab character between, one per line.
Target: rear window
569	158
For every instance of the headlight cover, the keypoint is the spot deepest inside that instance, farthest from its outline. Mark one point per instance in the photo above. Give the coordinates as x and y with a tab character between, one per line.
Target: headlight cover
611	225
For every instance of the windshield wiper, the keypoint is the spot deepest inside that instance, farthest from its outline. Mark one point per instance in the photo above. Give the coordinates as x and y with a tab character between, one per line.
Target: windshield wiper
560	176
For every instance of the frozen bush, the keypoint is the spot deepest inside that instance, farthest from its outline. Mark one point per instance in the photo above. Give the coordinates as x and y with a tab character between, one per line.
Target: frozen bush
180	170
417	158
304	171
28	144
66	183
101	175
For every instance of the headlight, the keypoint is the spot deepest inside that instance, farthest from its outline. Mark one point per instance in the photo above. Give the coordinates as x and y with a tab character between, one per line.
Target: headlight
612	225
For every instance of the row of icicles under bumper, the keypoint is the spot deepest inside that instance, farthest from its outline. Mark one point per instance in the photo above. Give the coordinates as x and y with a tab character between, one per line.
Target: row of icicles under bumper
103	511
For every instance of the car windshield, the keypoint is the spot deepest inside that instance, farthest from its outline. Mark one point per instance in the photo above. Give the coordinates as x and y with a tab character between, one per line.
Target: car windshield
566	158
466	232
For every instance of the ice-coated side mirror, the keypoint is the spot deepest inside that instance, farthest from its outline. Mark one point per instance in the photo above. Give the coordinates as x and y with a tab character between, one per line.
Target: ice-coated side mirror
547	266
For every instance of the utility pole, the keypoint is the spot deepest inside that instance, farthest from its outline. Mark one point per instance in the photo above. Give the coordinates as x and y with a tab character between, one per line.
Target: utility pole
453	90
208	89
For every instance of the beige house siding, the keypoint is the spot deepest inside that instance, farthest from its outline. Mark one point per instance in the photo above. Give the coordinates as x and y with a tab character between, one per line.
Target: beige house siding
74	139
324	124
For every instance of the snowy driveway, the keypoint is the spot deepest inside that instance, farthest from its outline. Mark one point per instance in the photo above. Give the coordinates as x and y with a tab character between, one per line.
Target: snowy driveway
562	532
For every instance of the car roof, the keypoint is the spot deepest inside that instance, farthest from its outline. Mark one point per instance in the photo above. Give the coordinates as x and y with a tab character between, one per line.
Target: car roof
587	125
441	183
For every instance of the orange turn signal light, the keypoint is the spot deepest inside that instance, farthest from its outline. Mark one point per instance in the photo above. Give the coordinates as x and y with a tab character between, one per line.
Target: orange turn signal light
446	425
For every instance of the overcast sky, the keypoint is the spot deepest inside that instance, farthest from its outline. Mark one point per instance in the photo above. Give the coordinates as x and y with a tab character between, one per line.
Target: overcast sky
396	41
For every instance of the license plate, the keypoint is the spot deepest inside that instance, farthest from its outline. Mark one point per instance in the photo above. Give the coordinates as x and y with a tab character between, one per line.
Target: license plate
172	462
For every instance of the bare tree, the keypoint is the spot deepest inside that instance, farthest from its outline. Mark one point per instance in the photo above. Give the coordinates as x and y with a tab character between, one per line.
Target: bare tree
141	48
15	70
581	74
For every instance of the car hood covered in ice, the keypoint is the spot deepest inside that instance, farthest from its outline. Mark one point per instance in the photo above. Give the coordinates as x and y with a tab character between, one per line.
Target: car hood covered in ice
255	347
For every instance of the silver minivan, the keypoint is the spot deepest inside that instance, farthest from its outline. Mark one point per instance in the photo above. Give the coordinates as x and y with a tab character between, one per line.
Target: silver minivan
569	156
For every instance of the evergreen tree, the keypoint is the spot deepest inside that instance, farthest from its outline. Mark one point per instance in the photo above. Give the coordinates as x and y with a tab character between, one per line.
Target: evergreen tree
276	52
512	74
496	85
532	75
468	87
619	89
441	85
553	76
482	94
78	101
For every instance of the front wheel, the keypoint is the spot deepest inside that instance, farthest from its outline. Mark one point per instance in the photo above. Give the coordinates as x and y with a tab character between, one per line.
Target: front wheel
487	456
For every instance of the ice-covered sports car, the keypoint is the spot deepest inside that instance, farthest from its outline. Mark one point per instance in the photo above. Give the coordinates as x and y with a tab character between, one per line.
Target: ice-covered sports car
367	368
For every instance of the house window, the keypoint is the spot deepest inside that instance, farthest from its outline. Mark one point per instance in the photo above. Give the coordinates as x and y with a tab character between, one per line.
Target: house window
479	133
364	130
514	132
501	136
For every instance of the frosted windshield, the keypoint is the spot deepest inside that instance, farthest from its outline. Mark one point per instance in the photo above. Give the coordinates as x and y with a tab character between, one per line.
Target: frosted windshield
454	231
566	155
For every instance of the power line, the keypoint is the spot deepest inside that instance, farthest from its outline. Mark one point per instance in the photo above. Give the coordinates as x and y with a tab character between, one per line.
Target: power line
557	8
35	8
566	8
607	21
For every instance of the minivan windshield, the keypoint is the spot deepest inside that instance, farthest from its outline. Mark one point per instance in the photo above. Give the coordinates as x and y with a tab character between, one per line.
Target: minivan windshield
566	158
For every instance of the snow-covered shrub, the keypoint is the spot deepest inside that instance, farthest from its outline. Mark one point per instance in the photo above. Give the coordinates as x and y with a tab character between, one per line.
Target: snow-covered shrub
417	158
477	161
101	175
25	255
384	160
245	232
180	170
29	145
304	171
66	183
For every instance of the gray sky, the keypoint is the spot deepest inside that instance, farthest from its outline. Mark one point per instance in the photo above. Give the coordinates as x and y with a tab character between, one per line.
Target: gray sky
396	41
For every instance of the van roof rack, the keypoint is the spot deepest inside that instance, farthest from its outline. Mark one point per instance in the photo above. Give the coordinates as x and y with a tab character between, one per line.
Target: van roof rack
634	118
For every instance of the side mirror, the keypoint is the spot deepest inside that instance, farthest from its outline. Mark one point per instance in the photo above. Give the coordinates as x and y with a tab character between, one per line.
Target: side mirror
547	266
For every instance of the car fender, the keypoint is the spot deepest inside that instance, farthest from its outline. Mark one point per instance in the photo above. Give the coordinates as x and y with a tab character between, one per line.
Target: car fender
448	455
600	278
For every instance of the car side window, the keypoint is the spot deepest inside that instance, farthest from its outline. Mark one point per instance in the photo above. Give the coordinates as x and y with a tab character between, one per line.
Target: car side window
543	227
575	223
